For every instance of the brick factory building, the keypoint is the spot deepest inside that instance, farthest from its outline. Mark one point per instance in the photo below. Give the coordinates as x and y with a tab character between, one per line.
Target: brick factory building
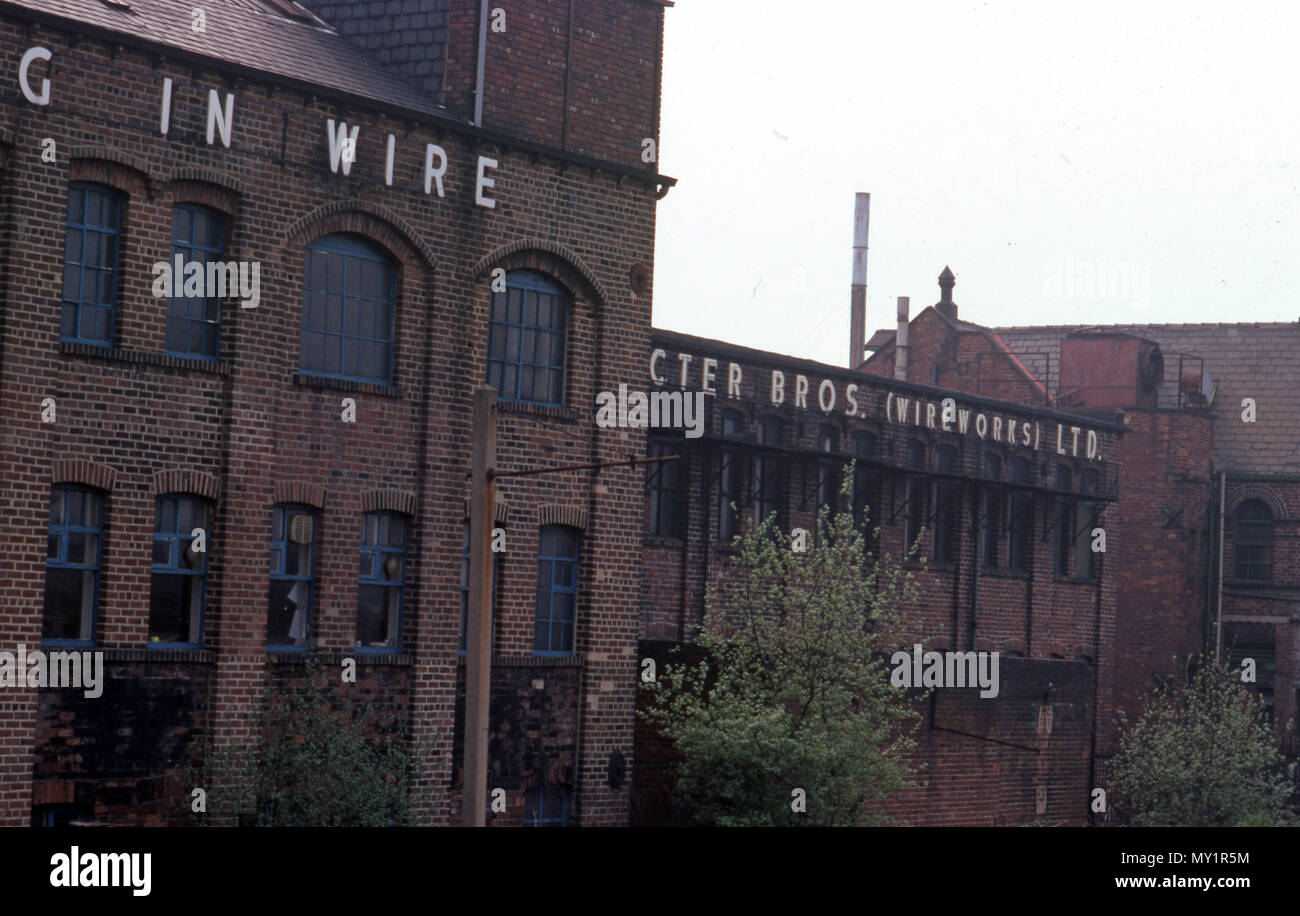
1007	494
315	431
1202	546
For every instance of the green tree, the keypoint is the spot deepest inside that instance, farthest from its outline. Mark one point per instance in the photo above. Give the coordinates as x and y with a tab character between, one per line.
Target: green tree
794	692
1202	755
317	761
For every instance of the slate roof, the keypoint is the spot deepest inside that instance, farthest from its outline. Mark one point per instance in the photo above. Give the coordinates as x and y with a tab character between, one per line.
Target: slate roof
249	34
1260	361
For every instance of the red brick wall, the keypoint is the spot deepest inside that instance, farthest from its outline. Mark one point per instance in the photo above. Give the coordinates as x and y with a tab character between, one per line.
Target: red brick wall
251	426
1064	628
612	89
1160	562
939	354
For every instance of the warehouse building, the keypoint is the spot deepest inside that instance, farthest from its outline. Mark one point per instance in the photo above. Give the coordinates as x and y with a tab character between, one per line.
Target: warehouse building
1004	496
405	205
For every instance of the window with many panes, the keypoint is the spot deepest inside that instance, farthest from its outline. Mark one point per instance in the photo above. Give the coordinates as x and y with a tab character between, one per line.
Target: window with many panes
72	565
767	471
90	257
194	321
914	489
662	480
1253	542
380	584
1063	519
729	501
180	571
992	531
293	538
348	310
526	339
828	469
1020	517
865	480
1085	561
464	587
945	506
557	590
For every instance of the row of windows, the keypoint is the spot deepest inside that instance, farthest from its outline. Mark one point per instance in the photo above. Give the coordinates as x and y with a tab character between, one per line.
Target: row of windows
349	302
1006	512
179	573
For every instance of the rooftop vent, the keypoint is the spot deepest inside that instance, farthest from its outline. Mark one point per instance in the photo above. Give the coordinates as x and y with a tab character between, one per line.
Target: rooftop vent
945	304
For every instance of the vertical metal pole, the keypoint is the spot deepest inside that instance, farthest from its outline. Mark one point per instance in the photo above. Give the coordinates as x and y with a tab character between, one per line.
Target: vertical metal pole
1218	617
478	642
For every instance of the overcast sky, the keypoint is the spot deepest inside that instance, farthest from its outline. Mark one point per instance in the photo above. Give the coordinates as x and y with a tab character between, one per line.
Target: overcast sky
1032	148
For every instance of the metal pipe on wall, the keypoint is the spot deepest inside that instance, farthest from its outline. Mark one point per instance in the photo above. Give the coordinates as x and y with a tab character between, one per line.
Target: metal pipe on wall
482	56
1218	622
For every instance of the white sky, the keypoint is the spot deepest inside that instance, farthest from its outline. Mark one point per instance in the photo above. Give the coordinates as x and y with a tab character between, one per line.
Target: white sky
1024	144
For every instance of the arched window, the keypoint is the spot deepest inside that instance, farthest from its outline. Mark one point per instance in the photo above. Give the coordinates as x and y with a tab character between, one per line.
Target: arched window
526	340
179	571
348	313
194	322
90	261
293	538
383	575
557	590
1253	541
72	565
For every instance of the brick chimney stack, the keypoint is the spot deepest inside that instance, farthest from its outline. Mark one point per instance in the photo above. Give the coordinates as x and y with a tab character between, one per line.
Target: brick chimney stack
945	304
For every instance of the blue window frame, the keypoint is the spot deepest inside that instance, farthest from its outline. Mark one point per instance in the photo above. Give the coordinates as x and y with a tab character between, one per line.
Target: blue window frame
464	589
90	257
72	564
557	590
293	564
526	340
383	568
180	573
547	806
348	310
194	324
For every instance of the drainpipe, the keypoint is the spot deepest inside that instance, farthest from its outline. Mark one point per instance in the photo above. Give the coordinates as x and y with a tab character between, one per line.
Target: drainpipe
1218	622
482	55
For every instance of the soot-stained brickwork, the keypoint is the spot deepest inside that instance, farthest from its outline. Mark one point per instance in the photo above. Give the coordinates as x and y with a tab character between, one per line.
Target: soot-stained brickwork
248	427
1001	484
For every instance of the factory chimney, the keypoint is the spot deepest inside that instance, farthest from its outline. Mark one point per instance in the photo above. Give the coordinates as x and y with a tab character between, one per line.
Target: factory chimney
858	295
900	340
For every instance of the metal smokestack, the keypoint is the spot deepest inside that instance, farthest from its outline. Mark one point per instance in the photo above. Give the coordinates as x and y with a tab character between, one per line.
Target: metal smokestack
900	340
858	296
